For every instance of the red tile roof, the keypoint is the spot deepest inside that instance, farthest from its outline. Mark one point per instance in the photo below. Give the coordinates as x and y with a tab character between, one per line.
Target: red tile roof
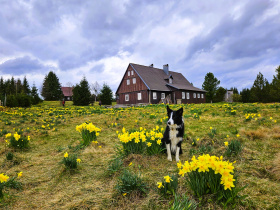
67	91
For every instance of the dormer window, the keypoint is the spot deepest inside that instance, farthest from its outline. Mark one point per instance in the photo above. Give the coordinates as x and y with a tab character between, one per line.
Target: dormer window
170	80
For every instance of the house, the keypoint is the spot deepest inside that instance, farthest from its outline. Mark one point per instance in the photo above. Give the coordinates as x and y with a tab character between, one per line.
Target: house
67	92
146	84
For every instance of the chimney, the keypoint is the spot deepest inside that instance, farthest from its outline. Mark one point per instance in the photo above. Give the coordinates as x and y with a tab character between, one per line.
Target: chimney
166	69
152	65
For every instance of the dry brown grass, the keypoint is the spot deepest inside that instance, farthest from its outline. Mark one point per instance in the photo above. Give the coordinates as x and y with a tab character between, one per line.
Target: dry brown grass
276	167
47	185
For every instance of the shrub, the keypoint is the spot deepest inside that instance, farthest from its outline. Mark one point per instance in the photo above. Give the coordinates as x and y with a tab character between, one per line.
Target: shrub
210	175
129	182
233	148
3	180
89	133
70	162
183	202
18	141
114	166
138	142
168	186
9	156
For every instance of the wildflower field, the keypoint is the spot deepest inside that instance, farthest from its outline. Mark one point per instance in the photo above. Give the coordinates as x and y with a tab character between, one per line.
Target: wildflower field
55	157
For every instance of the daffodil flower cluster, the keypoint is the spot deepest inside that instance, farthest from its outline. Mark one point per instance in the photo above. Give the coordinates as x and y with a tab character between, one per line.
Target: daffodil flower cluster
17	140
89	132
87	126
138	141
204	163
3	178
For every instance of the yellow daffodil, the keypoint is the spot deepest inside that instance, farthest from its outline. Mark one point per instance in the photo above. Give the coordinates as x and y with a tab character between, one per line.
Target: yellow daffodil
78	160
149	144
66	155
226	143
3	178
167	179
130	164
160	185
19	174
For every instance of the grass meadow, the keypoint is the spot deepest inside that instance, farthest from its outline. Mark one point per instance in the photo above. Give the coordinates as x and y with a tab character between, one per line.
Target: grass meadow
95	184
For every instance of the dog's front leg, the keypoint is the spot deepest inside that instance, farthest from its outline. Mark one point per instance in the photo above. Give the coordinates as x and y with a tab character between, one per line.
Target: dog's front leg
177	154
168	152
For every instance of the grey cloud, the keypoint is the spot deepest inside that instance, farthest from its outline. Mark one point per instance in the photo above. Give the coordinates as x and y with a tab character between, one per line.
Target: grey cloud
23	65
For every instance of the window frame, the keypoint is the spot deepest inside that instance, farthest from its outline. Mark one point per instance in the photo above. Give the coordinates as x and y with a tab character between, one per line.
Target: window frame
128	82
139	94
162	94
128	73
134	80
188	95
126	97
183	95
154	95
198	95
194	95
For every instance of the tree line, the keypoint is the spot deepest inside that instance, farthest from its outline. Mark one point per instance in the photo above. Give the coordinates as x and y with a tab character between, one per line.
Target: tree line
83	93
261	90
14	93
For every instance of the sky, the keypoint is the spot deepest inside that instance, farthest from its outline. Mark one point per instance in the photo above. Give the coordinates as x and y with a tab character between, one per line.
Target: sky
97	39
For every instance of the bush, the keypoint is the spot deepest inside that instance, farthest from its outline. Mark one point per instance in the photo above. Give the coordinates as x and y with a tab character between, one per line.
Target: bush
168	186
138	142
70	162
234	148
183	202
18	141
89	133
129	182
20	100
210	175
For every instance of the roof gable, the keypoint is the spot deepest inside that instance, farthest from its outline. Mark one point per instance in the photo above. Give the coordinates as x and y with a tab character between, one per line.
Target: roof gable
155	79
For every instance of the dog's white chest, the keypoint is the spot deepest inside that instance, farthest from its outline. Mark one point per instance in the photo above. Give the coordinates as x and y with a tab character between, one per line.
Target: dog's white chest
173	137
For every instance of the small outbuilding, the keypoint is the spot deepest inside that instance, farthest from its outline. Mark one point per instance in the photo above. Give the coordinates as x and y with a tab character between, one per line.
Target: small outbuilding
67	93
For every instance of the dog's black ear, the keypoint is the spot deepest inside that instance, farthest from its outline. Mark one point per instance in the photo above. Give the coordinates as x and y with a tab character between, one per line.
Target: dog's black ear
168	110
180	111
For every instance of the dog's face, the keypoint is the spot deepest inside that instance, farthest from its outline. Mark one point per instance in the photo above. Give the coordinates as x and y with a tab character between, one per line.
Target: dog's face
174	117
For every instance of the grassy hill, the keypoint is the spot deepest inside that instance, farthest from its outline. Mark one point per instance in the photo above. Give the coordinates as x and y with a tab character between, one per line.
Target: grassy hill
47	184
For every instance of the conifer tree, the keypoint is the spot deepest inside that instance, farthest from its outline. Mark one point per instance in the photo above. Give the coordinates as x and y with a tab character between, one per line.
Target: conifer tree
35	96
51	89
106	95
210	84
81	93
25	86
275	86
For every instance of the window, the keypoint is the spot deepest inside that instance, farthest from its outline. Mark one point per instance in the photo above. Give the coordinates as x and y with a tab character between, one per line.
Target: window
126	97
128	73
132	73
154	95
183	95
202	96
188	95
128	82
170	80
194	95
139	96
162	95
134	80
198	95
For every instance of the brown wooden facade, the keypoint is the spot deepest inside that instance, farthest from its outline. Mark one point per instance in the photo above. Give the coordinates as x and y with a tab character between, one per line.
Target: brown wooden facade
128	92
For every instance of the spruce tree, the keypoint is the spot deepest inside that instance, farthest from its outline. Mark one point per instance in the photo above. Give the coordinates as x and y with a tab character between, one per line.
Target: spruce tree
51	90
25	86
35	96
210	84
275	86
106	95
81	93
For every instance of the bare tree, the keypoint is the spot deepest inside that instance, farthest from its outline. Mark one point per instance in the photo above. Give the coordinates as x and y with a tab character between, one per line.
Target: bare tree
95	88
69	84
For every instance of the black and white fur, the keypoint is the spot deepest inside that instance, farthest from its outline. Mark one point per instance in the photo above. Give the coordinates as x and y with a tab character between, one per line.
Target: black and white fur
174	132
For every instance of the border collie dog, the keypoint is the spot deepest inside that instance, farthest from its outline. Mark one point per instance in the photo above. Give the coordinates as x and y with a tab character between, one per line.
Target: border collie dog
174	132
